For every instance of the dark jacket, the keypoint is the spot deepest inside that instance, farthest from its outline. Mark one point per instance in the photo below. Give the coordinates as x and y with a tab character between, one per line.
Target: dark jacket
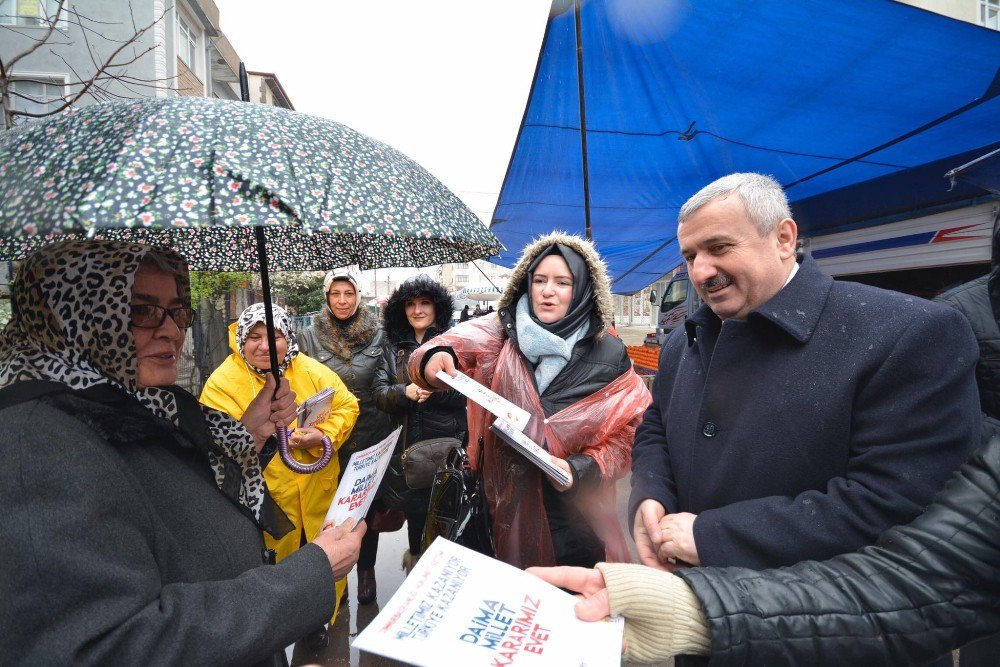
834	411
979	301
922	590
119	549
440	416
354	353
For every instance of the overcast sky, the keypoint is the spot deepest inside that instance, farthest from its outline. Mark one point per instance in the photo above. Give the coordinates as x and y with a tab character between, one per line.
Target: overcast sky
444	81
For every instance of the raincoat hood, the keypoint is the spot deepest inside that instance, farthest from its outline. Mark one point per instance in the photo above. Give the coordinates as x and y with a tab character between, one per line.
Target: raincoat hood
397	327
601	283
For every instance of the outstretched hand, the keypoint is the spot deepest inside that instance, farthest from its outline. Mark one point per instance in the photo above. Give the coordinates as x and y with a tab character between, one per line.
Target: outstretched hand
594	602
268	410
439	361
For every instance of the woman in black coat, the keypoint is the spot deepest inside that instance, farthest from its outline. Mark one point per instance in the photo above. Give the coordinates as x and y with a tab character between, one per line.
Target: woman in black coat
417	311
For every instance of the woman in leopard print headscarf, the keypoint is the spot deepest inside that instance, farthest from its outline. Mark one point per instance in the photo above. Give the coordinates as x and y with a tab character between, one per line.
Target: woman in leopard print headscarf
117	481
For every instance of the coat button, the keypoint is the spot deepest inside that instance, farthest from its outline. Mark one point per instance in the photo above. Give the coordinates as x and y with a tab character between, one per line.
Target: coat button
708	430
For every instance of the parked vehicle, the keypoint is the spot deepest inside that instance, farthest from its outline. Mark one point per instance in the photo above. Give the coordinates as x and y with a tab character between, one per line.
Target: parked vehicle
679	301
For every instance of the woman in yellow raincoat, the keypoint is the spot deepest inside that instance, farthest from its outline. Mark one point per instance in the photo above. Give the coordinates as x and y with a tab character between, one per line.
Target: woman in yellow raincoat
305	499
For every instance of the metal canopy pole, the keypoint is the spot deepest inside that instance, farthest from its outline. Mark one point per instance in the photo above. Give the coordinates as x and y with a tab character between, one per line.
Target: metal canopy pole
583	118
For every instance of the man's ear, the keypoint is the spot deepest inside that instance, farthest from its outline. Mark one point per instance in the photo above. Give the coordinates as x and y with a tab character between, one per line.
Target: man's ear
786	236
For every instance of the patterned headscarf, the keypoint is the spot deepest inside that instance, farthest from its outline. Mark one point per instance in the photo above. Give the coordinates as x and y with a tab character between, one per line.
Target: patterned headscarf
251	317
70	311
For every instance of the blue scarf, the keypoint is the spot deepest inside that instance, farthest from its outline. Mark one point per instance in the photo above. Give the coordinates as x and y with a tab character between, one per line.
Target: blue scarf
550	353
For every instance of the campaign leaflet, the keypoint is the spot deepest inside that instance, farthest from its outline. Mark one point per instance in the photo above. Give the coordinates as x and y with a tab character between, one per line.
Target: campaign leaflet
459	607
357	487
489	399
530	449
316	408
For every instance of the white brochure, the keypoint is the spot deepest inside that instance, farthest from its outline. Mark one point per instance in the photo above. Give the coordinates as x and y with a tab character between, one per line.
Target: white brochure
357	487
459	607
530	449
492	401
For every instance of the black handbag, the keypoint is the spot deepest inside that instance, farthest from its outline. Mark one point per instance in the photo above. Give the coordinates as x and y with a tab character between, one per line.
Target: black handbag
457	510
424	458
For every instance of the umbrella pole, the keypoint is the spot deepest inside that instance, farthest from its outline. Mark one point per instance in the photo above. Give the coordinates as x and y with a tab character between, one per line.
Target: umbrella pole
265	286
265	283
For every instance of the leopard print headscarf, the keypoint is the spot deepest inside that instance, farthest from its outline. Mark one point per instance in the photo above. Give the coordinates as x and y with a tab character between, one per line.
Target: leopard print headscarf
70	309
254	314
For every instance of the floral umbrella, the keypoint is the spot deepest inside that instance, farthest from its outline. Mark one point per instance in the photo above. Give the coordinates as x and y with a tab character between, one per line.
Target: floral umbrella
228	184
198	174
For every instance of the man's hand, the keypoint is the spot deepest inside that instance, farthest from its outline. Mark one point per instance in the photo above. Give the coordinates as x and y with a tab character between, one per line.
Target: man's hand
265	412
342	545
678	538
439	361
647	534
594	602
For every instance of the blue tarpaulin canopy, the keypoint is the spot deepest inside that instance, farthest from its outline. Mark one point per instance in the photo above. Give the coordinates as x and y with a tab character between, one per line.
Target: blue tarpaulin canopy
858	107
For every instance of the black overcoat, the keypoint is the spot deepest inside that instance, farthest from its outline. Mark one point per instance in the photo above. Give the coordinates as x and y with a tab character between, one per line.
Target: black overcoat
834	411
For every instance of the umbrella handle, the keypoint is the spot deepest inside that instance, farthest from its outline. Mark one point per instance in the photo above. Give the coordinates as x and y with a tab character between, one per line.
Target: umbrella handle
301	468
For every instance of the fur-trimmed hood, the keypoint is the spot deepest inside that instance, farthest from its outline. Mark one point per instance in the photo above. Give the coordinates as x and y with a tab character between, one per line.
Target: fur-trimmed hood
604	306
396	326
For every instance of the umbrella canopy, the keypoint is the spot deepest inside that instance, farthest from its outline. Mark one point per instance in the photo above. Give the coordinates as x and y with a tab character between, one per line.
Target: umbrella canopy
197	174
227	183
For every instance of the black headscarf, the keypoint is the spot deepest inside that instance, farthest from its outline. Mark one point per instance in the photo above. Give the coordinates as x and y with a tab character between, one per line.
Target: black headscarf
582	305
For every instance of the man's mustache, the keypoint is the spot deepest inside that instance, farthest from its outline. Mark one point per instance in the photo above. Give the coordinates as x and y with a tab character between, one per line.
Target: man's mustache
717	281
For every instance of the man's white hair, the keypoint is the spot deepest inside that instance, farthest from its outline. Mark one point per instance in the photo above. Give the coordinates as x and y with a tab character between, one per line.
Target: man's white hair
764	200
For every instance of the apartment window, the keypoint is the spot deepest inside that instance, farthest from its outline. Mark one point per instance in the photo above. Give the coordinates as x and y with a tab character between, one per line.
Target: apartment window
188	43
989	13
462	265
461	279
36	94
30	13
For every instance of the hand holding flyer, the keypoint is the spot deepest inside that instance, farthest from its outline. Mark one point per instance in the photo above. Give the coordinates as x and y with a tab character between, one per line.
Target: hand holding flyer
480	611
492	401
361	478
531	450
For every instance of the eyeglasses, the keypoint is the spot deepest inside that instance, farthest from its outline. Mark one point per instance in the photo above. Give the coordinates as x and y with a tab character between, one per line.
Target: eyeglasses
148	316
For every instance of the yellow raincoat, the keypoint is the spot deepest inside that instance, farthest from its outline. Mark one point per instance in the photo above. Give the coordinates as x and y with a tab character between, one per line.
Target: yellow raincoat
304	498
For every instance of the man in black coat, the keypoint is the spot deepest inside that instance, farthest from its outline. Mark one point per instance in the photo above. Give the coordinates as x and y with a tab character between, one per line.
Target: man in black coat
793	417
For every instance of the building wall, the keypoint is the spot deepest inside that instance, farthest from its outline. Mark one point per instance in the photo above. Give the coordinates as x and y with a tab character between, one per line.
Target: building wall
68	43
963	10
188	82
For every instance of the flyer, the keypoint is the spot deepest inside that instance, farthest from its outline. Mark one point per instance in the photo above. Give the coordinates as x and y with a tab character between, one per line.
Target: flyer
530	449
362	476
459	607
492	401
316	408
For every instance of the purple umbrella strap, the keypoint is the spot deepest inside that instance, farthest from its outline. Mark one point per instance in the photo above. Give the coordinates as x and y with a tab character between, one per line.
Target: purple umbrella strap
301	468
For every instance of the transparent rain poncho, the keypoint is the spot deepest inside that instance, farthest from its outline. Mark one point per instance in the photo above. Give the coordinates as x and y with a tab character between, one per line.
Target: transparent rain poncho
601	425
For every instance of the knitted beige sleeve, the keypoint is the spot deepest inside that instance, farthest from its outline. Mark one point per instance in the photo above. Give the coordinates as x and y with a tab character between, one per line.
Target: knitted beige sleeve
662	615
